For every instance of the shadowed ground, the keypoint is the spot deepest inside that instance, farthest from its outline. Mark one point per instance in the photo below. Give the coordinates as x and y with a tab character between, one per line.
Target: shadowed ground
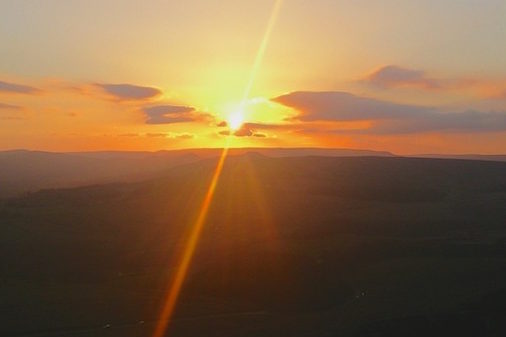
307	246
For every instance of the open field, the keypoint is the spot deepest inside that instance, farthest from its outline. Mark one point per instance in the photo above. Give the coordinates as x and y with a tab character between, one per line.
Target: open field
293	246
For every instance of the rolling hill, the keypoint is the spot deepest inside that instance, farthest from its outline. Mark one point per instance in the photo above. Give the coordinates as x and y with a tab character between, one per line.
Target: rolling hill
292	246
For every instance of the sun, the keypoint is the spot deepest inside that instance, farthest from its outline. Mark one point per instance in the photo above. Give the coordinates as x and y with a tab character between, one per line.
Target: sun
235	120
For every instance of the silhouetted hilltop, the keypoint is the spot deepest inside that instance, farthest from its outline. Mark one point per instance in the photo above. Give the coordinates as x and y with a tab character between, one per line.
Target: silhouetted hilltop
25	171
488	157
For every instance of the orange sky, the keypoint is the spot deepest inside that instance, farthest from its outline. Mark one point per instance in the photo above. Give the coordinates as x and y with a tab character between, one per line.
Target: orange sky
417	77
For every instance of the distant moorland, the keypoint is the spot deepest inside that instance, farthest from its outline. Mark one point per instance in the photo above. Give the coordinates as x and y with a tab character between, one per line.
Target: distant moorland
304	245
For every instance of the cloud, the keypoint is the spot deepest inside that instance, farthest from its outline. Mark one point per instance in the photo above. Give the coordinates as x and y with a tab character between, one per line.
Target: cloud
168	114
4	106
11	118
222	124
268	126
387	117
394	76
17	88
343	106
129	91
466	121
251	130
458	122
156	135
244	131
183	136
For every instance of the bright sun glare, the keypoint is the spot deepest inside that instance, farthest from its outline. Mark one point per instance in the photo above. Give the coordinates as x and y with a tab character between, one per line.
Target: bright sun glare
235	120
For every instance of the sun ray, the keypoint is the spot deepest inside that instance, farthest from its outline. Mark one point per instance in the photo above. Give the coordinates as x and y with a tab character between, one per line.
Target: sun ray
254	184
261	51
236	118
189	249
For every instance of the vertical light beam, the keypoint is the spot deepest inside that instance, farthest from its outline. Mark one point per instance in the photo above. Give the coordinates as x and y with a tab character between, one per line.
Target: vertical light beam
261	51
189	249
182	269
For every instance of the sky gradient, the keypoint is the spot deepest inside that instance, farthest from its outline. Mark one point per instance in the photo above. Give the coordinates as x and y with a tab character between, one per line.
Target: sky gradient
402	76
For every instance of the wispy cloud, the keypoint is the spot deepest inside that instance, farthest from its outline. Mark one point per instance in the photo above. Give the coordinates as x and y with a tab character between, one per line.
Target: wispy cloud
168	114
4	106
457	122
156	135
129	91
172	135
253	130
15	88
395	76
387	117
343	106
244	131
129	134
392	77
183	136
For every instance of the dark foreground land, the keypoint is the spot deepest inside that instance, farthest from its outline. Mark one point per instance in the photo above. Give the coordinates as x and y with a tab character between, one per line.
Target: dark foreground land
307	246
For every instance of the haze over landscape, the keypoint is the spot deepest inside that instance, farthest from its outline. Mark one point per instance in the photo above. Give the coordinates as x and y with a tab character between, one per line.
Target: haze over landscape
252	168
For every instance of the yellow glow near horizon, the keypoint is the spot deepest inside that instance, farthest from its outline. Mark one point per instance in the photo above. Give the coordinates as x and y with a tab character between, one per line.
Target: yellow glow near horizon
254	52
236	118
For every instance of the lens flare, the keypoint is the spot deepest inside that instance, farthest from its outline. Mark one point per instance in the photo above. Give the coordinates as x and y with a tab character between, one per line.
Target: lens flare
182	269
235	122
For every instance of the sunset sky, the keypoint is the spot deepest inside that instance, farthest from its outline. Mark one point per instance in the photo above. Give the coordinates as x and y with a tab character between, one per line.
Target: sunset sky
418	76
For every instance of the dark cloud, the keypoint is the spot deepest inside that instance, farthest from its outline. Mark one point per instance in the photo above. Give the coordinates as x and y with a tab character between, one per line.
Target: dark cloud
17	88
222	124
244	131
251	129
168	114
388	117
458	122
343	106
129	91
4	106
394	76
